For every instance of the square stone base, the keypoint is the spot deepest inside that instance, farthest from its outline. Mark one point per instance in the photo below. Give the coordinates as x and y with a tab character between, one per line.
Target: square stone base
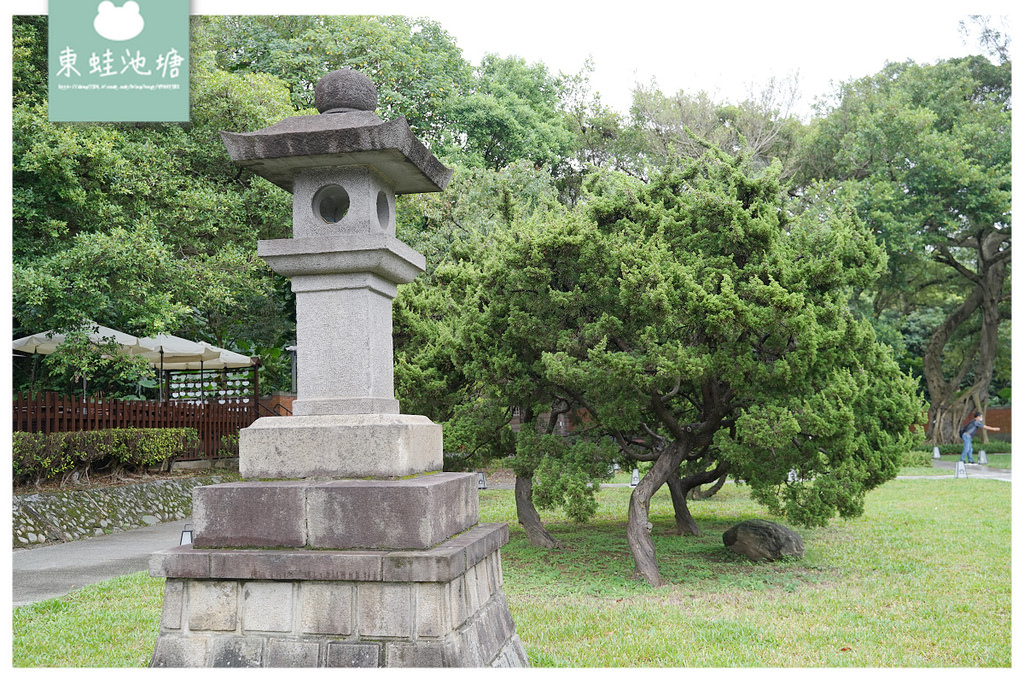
259	608
412	513
357	446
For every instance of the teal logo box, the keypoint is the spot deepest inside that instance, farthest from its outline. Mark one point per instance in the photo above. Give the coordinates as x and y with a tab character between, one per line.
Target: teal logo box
118	60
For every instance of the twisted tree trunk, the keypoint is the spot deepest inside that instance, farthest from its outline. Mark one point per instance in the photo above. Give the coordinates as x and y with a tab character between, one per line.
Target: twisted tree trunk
686	525
951	406
528	516
681	488
638	532
703	494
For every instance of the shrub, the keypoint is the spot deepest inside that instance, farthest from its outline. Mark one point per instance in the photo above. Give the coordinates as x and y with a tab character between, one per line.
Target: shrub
993	446
228	446
917	458
42	457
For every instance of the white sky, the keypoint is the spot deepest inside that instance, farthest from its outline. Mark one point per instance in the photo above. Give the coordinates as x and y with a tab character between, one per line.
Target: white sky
724	48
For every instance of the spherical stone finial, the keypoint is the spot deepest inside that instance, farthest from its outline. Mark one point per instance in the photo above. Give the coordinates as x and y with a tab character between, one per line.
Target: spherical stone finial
345	90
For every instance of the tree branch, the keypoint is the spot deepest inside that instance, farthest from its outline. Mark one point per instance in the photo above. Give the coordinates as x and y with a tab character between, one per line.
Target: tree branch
944	256
626	446
675	390
679	433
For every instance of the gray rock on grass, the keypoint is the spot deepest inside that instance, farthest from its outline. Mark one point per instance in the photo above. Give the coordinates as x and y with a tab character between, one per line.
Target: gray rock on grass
759	539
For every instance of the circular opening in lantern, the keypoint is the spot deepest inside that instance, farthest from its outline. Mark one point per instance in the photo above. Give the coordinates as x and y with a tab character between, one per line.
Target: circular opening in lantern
383	209
331	203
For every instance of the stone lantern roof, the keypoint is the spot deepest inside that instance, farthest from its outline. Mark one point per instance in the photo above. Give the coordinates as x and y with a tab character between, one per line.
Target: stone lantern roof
346	132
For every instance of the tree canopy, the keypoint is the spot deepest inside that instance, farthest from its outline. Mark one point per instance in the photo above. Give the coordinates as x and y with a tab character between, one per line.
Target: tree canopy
924	152
694	322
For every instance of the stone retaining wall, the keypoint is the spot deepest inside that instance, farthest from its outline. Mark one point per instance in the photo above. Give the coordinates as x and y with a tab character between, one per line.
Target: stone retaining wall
46	518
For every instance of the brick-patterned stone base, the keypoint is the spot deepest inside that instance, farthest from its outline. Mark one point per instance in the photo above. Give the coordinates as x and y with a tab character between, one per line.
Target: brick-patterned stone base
428	614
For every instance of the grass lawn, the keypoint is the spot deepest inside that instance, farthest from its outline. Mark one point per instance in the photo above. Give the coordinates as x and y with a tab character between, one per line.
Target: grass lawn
997	460
914	582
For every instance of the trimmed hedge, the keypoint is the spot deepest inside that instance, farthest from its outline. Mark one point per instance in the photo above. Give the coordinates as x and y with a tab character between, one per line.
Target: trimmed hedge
42	457
993	446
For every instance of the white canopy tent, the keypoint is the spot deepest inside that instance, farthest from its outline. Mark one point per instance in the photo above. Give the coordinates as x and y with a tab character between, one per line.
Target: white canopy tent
47	342
164	351
175	353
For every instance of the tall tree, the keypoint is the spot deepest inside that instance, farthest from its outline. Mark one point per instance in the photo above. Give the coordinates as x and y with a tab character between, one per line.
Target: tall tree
415	64
731	347
707	332
926	152
512	111
665	128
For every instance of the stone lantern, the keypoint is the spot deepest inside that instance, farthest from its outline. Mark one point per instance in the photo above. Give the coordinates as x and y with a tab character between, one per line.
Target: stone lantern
345	545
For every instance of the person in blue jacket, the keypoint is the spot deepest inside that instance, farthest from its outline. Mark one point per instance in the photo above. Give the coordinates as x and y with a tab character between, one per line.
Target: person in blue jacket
967	433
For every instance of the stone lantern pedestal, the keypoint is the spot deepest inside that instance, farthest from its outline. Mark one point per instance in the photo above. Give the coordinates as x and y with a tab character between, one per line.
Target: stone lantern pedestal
346	545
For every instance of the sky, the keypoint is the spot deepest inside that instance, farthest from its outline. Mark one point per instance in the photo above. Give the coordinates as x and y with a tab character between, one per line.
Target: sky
727	49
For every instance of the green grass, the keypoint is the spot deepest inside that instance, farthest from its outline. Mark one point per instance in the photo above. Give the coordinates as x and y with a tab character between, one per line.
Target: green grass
109	624
898	587
915	582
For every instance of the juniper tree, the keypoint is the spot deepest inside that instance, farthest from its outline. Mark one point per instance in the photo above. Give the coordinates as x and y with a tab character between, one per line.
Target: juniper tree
705	325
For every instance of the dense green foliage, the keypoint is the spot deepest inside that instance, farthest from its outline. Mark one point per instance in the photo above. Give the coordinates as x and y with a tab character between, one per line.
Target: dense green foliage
696	323
414	63
44	457
699	321
924	153
740	315
144	228
512	112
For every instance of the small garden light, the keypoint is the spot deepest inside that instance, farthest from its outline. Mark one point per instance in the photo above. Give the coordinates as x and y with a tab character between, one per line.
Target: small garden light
186	535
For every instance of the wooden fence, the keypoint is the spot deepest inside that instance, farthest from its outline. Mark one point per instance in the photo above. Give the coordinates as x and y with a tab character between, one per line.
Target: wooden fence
49	412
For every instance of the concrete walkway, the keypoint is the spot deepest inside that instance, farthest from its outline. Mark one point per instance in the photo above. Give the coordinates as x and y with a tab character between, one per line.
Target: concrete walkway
55	570
973	472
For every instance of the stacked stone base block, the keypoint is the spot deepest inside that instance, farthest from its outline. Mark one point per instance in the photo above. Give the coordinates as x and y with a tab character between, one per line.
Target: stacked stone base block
414	513
229	635
338	446
319	608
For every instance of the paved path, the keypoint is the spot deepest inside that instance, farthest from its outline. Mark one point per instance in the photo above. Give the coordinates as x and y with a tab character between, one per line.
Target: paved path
973	472
55	570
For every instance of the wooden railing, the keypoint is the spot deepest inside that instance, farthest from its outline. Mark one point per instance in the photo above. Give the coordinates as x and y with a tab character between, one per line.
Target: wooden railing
49	412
